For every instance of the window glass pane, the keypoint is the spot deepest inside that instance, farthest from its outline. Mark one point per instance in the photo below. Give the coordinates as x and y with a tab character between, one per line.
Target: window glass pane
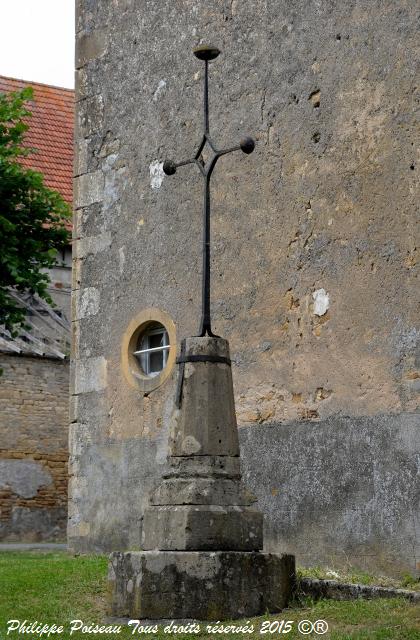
156	362
152	343
144	358
155	340
143	342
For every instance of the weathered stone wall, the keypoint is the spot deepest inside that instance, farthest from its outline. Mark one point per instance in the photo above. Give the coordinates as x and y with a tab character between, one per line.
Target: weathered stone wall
33	449
315	261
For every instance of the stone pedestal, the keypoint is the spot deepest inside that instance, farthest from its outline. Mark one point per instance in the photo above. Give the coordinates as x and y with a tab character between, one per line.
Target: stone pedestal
201	537
200	585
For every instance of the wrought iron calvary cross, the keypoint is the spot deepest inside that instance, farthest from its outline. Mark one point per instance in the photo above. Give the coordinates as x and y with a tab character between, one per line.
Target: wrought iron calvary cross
247	145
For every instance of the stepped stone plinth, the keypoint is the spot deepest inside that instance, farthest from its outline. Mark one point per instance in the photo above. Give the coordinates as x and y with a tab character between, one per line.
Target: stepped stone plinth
202	539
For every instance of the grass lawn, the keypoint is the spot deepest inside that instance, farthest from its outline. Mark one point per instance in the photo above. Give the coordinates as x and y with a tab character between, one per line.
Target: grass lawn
57	588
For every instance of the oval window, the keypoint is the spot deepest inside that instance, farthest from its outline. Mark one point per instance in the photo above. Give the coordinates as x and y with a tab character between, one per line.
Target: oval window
148	349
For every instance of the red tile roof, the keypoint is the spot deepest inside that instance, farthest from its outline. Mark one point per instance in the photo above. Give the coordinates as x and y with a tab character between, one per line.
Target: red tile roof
50	133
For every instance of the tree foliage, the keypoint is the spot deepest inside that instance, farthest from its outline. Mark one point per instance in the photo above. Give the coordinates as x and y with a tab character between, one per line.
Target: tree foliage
32	216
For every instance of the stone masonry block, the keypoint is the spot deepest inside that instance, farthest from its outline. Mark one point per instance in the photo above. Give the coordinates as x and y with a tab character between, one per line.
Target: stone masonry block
90	46
88	188
91	245
178	491
199	585
90	116
195	527
87	303
206	466
81	156
91	375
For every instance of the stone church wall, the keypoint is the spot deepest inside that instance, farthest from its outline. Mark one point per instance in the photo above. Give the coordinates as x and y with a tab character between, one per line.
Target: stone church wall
314	263
33	448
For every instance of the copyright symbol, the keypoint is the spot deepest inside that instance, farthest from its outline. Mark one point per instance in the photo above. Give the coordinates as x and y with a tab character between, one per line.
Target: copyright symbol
305	627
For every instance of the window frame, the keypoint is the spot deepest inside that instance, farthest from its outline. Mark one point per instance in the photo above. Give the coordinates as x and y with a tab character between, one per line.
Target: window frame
147	350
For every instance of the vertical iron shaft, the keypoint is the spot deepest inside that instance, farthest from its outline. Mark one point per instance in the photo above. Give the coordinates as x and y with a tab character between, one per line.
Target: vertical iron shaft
206	97
205	325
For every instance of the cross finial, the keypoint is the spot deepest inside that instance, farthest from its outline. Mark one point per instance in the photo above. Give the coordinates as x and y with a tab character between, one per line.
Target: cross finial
207	54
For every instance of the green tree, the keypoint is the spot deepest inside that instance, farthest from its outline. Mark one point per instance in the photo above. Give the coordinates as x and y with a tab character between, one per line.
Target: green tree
32	216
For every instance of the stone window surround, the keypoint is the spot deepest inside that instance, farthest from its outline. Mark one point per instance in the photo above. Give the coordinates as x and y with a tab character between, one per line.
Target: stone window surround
129	363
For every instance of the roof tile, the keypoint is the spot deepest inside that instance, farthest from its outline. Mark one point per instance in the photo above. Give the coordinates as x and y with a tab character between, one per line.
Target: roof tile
50	133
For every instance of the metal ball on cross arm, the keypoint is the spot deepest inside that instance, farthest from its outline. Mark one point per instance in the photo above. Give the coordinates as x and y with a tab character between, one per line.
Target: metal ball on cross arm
247	144
169	167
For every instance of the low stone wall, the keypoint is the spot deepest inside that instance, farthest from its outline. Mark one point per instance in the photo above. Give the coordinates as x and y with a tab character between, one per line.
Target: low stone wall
33	454
334	590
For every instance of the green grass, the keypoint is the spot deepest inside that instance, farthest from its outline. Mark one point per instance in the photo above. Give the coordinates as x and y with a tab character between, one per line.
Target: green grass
58	588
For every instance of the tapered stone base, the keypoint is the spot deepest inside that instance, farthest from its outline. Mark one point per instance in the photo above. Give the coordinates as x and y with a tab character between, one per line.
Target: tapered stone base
199	585
202	540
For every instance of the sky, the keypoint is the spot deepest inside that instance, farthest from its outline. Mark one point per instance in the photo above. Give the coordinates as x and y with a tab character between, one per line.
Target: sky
37	41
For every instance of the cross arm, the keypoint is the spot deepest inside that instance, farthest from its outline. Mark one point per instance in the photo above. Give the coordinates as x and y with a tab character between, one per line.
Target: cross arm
247	145
170	167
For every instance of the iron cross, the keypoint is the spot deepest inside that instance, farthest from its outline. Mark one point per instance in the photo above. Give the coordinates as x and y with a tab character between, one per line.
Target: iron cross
207	54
